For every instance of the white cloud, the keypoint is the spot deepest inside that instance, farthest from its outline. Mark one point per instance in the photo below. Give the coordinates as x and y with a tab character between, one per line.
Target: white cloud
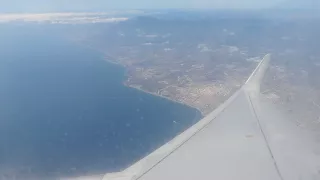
61	18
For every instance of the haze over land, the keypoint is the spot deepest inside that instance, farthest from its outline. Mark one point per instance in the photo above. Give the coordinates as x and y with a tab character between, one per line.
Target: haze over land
37	6
200	58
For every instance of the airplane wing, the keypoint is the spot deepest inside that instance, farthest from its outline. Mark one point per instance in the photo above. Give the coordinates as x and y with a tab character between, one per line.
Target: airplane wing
246	138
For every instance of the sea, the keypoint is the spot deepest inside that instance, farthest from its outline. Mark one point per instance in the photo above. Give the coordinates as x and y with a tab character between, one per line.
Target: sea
64	110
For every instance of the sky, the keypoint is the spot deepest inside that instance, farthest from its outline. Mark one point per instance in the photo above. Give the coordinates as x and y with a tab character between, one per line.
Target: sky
102	5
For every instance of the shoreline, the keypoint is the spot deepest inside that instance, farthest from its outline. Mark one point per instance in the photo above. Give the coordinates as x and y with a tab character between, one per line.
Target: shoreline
199	113
166	98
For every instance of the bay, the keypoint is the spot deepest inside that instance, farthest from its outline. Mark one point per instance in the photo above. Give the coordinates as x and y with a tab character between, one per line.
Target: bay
64	110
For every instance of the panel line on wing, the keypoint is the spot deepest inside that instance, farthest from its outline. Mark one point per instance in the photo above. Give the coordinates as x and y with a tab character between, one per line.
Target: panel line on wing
265	137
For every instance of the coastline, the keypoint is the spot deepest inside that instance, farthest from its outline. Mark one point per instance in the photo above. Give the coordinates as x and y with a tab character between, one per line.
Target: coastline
199	112
107	58
172	100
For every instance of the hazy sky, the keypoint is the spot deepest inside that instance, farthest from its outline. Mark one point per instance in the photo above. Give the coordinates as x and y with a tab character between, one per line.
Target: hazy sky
94	5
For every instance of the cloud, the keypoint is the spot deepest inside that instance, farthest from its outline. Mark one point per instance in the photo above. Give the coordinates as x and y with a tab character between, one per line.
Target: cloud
61	18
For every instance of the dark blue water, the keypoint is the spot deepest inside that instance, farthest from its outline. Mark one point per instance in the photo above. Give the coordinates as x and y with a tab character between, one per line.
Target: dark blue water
65	112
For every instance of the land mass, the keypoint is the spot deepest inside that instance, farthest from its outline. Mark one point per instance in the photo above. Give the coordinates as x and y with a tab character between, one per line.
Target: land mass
201	58
194	69
201	84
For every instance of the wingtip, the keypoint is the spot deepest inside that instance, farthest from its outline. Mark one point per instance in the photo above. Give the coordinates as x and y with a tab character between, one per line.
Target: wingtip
254	80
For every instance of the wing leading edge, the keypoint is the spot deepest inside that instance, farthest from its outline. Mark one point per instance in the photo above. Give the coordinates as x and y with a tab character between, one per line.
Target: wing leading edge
243	139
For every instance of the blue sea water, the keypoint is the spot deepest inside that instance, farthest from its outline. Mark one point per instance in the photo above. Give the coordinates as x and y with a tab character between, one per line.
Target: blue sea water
64	110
